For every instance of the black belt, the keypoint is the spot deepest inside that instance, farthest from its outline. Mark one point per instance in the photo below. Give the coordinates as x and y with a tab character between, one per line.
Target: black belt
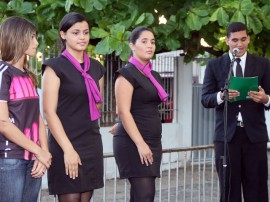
240	124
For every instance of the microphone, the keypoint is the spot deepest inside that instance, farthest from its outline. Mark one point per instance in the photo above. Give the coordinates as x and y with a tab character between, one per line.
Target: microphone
235	51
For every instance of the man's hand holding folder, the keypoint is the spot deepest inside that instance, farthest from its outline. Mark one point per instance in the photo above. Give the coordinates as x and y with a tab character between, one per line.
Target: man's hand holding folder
243	85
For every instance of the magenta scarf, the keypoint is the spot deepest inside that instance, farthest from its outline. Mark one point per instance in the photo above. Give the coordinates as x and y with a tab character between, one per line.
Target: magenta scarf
147	71
91	86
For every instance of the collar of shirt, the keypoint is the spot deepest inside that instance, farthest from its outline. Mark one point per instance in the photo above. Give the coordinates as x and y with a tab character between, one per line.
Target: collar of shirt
242	62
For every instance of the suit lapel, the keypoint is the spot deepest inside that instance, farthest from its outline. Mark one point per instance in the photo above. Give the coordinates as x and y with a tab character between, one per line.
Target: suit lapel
250	66
226	64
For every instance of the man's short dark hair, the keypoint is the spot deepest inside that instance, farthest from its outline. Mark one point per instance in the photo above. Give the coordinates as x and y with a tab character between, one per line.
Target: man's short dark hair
236	27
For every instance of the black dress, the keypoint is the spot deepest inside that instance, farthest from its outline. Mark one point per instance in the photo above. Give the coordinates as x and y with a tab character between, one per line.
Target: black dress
73	111
144	109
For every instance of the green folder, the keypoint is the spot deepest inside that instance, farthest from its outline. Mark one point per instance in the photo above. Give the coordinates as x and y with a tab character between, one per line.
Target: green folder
243	85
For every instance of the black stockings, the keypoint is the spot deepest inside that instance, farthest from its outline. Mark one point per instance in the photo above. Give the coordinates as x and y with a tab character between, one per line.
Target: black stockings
76	197
142	189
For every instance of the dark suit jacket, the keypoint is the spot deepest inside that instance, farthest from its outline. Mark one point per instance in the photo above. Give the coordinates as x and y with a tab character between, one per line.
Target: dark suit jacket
253	113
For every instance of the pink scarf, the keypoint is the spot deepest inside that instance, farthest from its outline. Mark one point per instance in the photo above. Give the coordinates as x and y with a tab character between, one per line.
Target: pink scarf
147	71
91	86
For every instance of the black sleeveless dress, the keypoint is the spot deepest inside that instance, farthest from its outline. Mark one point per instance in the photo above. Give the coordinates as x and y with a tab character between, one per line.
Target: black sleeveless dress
144	109
73	111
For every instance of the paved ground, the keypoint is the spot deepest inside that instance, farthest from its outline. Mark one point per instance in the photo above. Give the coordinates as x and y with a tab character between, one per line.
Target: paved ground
201	184
192	187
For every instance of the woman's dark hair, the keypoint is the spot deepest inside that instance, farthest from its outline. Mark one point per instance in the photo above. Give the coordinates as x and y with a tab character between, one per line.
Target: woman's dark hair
68	21
136	33
236	27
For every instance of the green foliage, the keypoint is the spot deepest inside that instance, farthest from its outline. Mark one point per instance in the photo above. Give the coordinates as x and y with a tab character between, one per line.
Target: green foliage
111	22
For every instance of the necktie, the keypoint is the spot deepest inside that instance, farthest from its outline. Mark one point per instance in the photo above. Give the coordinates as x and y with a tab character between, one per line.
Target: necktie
239	72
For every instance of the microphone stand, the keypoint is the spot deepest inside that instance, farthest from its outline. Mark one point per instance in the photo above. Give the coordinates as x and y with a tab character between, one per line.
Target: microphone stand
225	112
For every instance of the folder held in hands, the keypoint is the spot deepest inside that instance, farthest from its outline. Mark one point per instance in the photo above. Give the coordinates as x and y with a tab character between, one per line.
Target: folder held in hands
243	85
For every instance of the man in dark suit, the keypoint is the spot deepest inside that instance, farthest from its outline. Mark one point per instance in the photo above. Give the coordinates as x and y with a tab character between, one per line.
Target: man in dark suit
246	134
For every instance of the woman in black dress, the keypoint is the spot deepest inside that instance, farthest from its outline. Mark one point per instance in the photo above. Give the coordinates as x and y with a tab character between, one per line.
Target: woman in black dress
69	83
137	140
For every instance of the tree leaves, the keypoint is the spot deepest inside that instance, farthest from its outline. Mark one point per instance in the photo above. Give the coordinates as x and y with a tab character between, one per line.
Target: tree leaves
68	5
172	44
238	17
21	7
100	4
52	34
246	7
193	22
3	8
221	17
254	23
103	47
89	5
111	22
98	32
145	19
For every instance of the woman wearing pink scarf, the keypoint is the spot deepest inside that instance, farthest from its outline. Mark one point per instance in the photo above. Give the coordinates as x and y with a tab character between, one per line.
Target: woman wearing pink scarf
137	139
71	93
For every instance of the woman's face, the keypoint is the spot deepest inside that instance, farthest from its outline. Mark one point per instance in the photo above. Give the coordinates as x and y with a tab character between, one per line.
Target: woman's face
32	48
144	47
77	37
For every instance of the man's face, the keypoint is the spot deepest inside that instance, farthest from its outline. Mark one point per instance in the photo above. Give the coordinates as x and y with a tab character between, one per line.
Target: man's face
238	40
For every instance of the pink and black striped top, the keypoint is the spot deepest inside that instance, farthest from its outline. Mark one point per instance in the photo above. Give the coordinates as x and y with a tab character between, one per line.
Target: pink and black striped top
17	89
